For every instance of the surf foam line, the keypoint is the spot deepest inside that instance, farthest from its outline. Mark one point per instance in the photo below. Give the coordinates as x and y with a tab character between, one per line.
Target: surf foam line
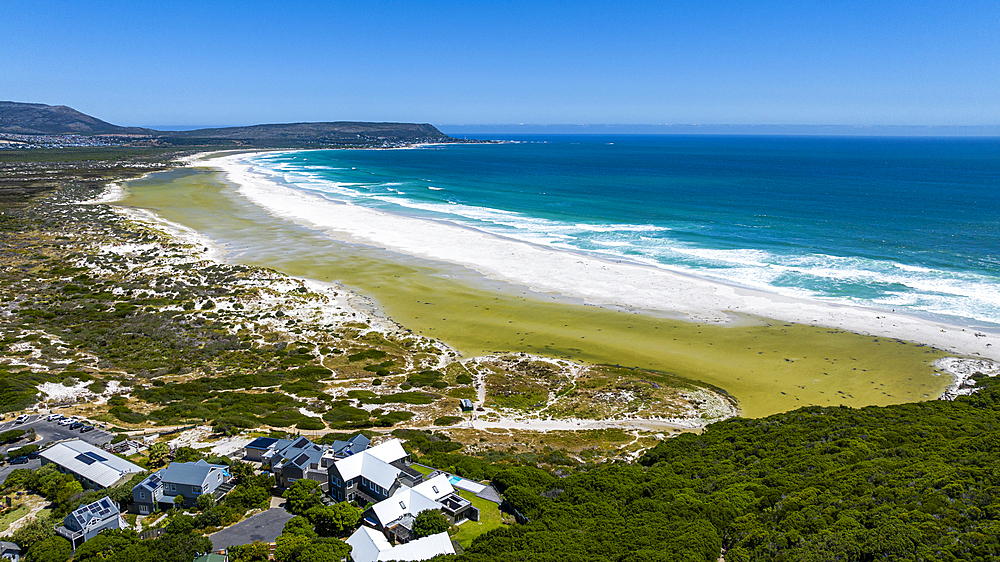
595	280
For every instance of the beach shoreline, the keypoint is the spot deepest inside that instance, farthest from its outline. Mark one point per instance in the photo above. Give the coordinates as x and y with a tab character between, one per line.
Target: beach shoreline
596	281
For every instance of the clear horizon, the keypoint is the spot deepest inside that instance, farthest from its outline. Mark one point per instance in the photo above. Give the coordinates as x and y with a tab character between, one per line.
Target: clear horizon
643	63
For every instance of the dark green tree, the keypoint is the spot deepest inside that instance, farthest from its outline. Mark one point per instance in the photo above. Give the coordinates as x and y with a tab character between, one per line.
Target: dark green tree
303	495
52	549
430	522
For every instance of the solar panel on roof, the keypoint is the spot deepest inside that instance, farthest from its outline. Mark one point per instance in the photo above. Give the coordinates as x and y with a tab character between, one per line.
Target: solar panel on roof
85	459
300	443
96	457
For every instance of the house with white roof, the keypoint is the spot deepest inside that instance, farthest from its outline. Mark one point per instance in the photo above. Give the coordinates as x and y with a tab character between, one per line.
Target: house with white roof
396	514
369	545
372	475
88	521
186	479
95	468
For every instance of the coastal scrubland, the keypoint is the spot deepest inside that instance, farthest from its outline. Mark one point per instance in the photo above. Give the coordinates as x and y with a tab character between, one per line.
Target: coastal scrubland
106	314
134	323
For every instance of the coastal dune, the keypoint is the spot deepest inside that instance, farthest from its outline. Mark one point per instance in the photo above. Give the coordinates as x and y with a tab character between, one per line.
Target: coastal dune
595	281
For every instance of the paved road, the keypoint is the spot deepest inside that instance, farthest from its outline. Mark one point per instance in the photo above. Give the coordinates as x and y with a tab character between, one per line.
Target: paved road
264	527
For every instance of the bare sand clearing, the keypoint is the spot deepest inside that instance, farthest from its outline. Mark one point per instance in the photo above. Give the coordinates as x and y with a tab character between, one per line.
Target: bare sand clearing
594	280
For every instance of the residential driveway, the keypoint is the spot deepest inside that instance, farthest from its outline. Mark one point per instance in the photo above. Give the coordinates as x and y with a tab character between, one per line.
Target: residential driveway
264	527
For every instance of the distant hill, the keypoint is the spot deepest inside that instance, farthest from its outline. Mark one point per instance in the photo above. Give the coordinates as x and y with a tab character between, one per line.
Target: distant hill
40	119
341	131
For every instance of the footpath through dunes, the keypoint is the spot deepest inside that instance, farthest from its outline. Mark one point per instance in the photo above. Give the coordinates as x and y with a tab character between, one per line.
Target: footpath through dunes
767	366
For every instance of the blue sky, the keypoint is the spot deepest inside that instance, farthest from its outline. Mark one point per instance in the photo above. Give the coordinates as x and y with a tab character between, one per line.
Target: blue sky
468	62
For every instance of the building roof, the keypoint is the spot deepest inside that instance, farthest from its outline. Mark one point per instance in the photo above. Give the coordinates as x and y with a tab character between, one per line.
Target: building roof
411	501
374	464
302	452
369	545
260	443
189	473
96	465
352	446
92	515
9	547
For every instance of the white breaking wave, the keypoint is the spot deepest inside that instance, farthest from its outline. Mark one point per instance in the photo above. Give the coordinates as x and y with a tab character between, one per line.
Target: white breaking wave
878	283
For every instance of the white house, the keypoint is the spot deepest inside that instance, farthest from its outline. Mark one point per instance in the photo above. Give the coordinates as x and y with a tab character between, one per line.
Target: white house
369	545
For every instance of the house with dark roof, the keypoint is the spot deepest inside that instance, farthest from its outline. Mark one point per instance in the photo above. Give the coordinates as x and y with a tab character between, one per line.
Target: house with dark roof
373	474
95	468
186	479
258	449
353	446
301	458
395	515
10	551
88	521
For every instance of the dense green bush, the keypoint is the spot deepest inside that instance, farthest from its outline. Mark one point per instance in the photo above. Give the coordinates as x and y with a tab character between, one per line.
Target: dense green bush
910	482
448	420
310	424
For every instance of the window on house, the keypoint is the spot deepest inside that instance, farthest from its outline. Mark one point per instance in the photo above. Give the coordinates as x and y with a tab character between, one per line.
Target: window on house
196	489
173	487
142	495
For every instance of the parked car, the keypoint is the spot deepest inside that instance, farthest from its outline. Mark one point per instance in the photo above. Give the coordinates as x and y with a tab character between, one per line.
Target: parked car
21	419
33	454
86	428
19	460
76	425
67	421
54	417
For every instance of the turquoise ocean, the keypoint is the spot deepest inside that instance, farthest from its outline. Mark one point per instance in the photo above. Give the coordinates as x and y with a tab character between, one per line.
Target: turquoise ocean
904	224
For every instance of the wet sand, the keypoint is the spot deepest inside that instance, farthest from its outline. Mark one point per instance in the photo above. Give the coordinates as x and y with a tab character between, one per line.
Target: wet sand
768	366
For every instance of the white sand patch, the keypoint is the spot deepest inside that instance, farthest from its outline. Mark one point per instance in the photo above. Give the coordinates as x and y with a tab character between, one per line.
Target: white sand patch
200	438
57	392
597	281
963	369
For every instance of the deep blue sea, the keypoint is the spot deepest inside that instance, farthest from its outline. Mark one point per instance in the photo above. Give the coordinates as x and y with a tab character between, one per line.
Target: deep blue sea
905	224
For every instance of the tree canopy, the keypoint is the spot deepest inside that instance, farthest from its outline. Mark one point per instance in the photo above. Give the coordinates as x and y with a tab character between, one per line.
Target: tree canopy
907	482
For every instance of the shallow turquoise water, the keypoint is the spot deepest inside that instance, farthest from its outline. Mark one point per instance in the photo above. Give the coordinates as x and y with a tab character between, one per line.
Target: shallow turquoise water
911	225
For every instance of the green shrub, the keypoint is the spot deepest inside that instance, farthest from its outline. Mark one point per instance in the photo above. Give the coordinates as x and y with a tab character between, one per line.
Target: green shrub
310	423
448	420
463	379
366	354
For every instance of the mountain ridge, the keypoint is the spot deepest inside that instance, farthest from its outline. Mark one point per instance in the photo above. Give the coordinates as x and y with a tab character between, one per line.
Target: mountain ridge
41	119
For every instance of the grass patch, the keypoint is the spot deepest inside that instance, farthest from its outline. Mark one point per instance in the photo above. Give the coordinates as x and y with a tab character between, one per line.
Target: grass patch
489	519
13	515
448	420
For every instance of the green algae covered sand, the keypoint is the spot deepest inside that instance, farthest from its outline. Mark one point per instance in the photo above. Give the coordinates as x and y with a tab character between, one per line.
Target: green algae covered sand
768	367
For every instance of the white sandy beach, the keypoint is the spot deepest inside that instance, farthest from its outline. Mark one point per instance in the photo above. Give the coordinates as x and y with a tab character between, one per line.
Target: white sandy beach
596	281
